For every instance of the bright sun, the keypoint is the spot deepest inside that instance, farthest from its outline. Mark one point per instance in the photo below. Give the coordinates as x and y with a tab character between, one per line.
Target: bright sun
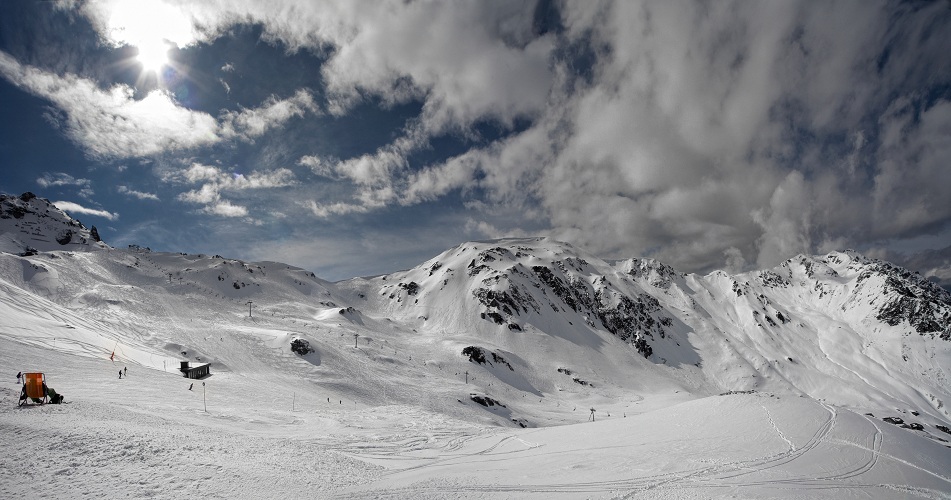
153	56
152	26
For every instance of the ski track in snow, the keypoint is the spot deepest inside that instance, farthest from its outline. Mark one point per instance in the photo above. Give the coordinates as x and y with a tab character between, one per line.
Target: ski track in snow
730	475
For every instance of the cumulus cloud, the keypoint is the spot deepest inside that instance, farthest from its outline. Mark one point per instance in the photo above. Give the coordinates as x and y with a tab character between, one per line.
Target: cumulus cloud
274	112
76	208
709	134
705	134
214	181
468	60
113	124
226	208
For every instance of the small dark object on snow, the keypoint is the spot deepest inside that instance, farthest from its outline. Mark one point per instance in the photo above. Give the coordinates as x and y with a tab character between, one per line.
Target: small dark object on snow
55	398
485	400
301	347
191	385
894	420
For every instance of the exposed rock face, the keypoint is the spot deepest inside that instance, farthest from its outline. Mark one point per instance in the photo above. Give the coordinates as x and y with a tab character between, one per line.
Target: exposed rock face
486	401
478	355
634	319
301	347
922	303
64	237
412	288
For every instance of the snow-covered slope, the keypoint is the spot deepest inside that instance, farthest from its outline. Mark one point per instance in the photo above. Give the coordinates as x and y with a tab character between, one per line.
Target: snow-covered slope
417	382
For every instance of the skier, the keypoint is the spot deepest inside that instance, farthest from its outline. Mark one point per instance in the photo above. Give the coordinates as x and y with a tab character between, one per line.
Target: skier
120	374
19	375
125	371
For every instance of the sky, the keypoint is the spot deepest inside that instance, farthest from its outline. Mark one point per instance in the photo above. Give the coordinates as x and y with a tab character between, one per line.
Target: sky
356	138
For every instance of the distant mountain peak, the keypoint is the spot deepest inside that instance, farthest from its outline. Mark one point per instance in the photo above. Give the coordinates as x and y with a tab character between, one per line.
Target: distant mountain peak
29	224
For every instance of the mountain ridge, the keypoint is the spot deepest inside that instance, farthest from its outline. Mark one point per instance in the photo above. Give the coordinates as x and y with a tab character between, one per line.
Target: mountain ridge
548	320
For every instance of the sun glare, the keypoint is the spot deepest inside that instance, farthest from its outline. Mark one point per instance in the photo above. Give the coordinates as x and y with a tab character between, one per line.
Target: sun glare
151	26
153	56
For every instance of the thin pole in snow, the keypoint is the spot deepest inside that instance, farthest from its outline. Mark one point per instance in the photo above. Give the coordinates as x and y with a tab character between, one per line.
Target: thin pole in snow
249	308
355	337
467	376
203	399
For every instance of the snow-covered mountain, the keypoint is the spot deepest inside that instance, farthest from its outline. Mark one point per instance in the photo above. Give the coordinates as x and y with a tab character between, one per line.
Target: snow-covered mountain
501	334
32	224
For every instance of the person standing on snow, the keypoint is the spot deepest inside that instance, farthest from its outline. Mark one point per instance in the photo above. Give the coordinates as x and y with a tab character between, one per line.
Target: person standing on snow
125	371
120	374
19	375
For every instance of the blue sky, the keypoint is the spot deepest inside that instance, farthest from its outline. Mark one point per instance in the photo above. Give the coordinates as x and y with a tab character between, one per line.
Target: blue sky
355	138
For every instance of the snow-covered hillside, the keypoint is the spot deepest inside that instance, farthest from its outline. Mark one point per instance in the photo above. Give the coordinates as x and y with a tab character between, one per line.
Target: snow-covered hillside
419	383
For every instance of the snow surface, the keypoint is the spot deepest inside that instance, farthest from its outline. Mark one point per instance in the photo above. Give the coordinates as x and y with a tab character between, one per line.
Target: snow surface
727	406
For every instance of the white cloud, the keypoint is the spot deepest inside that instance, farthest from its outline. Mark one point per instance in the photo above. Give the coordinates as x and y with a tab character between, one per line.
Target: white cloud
325	210
227	209
207	194
110	123
274	112
61	179
317	165
705	134
215	181
467	60
481	229
69	206
64	179
140	23
911	181
137	194
221	179
484	65
113	124
198	172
